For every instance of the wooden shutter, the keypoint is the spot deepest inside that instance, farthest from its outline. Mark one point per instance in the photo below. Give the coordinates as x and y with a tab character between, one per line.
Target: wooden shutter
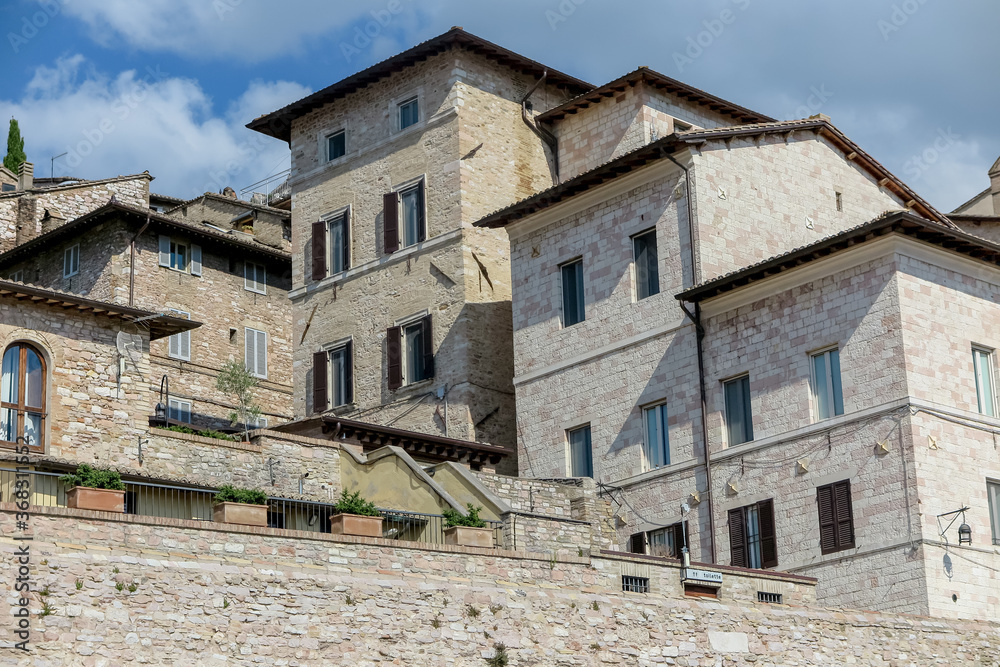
349	372
680	538
319	250
346	236
175	345
390	221
738	537
427	337
827	523
768	543
185	347
394	356
164	250
250	350
844	514
195	260
320	400
637	543
421	218
262	353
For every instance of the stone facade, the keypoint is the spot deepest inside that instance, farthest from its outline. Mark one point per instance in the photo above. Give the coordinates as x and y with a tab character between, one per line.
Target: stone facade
218	298
268	225
126	589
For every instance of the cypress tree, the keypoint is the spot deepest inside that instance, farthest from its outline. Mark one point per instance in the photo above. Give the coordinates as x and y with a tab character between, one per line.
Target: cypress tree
15	148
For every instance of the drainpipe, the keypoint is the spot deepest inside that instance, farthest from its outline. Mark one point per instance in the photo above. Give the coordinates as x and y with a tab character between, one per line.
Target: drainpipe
543	134
700	336
131	265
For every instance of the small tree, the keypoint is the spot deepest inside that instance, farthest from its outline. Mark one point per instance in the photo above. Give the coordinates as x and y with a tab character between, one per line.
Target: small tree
235	380
15	148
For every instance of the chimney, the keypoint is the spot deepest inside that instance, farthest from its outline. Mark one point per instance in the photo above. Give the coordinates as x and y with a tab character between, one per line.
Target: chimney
995	186
26	176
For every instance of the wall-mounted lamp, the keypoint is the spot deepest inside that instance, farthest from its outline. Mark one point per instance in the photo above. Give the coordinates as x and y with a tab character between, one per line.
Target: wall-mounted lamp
964	530
965	533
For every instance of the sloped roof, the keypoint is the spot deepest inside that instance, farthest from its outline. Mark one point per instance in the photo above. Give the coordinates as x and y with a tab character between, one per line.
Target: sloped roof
239	203
659	149
278	124
160	325
66	183
899	222
665	83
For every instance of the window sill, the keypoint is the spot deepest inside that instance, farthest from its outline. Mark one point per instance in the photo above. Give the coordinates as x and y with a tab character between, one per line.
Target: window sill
427	382
245	289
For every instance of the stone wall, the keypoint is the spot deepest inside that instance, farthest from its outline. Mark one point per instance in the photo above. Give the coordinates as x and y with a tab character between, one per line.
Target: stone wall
240	595
270	226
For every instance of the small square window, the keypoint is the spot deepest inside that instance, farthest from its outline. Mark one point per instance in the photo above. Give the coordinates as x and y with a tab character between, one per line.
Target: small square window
647	271
752	538
179	411
635	584
581	455
71	261
254	278
336	145
17	276
572	293
178	256
179	345
668	542
982	360
739	418
409	113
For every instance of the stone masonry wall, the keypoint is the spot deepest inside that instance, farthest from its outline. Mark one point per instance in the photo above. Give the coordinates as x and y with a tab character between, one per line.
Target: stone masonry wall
239	595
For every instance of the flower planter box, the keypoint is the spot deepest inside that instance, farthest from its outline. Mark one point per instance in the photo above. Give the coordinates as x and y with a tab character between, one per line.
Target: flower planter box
467	536
101	500
241	513
352	524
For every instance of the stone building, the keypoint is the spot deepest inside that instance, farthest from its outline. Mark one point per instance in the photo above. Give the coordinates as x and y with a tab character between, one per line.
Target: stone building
814	412
233	281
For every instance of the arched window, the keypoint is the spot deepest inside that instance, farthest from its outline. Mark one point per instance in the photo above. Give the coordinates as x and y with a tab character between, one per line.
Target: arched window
22	396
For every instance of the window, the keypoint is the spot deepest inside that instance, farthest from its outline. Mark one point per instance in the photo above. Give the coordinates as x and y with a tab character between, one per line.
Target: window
993	497
836	517
739	418
581	457
254	278
22	396
179	345
572	292
180	255
982	360
635	584
656	449
409	113
17	276
404	208
410	352
668	542
333	377
179	411
647	272
828	398
772	598
336	145
751	536
339	253
8	187
256	352
71	261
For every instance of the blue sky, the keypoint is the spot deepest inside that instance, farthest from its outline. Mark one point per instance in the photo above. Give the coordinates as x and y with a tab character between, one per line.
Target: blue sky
167	86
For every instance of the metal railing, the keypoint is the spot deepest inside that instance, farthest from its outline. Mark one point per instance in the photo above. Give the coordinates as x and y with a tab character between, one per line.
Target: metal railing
270	189
179	502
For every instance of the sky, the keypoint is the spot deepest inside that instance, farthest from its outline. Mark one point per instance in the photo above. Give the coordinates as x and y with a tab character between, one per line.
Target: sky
168	85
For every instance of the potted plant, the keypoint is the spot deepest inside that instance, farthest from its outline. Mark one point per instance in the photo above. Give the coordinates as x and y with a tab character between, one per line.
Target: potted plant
355	516
467	529
94	489
243	506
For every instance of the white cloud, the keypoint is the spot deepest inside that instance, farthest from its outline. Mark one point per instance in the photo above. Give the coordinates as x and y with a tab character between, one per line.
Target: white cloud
248	30
147	120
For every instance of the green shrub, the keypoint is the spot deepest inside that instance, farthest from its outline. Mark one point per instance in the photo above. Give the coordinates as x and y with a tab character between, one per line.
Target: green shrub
209	433
456	518
230	494
353	503
93	478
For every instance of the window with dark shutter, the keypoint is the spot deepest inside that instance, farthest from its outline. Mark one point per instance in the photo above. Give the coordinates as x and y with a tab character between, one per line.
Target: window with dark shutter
318	250
737	538
394	357
428	351
637	543
390	221
836	517
319	382
349	372
768	541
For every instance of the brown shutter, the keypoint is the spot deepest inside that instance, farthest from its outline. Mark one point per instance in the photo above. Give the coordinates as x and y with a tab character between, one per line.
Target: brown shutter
681	537
349	372
827	524
390	221
319	250
422	219
737	538
394	356
637	543
843	514
347	240
319	382
427	337
768	542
